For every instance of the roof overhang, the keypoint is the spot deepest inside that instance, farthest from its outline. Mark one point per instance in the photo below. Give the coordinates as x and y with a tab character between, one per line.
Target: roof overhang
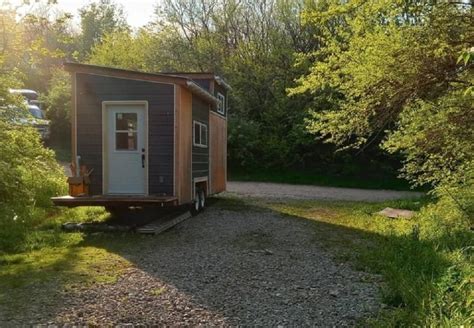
199	76
223	83
142	76
195	88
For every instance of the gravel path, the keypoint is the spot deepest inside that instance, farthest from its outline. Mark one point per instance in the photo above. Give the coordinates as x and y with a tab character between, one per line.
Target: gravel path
229	267
280	190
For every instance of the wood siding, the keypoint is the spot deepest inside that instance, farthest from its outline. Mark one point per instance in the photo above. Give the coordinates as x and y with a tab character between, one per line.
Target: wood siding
183	148
218	144
200	155
91	91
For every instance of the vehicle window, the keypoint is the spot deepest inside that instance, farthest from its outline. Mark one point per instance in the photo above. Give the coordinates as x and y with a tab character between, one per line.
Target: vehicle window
36	112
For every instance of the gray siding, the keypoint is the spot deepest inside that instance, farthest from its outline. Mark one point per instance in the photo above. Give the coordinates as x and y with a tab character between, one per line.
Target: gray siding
91	91
200	155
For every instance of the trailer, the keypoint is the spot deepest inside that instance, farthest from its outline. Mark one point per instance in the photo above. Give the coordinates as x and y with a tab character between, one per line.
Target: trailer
142	139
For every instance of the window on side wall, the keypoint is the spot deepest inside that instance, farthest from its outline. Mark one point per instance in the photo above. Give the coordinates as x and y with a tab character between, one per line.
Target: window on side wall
221	104
200	134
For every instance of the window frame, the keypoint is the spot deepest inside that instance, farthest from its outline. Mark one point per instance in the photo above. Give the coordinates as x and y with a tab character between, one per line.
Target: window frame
128	131
201	125
221	105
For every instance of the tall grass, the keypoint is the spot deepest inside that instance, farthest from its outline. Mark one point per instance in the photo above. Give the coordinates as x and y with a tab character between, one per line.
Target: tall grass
426	262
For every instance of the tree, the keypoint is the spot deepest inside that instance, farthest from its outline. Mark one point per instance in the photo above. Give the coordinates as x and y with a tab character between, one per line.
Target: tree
57	102
98	19
29	173
389	70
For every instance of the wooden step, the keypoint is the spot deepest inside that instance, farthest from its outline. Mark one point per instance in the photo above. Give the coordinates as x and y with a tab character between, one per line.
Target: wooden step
159	226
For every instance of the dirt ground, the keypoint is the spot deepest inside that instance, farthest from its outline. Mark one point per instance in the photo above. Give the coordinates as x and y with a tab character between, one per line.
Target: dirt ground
235	264
288	191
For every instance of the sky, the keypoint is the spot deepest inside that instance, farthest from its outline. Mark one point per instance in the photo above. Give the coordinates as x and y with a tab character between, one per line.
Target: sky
138	12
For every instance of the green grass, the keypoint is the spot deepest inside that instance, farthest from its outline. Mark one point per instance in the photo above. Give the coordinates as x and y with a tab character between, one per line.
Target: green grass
427	268
320	179
425	262
49	262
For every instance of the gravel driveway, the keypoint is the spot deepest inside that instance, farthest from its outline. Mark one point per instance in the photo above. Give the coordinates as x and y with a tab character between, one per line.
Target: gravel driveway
229	266
288	191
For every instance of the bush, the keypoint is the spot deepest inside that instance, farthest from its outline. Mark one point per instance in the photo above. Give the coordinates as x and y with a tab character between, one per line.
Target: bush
58	103
29	176
429	269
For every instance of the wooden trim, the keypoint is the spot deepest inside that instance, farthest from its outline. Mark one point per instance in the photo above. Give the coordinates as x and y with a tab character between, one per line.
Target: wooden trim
209	155
73	120
141	76
121	73
218	152
191	75
105	132
176	140
212	86
184	126
225	155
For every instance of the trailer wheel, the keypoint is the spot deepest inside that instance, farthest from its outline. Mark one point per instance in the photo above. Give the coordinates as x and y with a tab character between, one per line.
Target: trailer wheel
196	205
202	200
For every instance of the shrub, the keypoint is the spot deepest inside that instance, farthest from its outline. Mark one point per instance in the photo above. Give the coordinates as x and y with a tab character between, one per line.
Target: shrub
29	176
58	102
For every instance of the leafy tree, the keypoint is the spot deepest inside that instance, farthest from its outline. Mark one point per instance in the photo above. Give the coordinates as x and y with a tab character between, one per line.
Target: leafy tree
29	173
390	65
253	46
57	102
98	19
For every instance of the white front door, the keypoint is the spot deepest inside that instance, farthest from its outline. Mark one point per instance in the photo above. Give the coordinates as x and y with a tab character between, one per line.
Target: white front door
125	157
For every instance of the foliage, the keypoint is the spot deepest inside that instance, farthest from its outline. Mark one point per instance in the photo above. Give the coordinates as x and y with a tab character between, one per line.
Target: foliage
252	45
390	65
98	19
436	139
46	40
29	176
57	102
355	177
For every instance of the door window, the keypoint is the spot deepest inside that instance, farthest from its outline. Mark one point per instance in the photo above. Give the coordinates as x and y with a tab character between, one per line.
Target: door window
126	131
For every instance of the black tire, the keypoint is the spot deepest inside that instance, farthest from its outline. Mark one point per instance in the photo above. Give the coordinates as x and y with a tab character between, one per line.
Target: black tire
196	204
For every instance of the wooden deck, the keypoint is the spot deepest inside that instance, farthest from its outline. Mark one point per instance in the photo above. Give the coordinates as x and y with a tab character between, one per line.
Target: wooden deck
107	200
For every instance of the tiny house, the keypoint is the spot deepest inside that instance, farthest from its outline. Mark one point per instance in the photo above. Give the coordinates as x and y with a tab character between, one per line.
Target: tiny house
142	139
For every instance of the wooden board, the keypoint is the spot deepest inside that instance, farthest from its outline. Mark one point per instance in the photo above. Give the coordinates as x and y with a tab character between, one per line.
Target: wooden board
183	145
218	143
159	226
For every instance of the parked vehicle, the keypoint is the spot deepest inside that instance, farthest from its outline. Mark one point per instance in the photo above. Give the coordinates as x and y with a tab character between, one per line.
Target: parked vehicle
36	118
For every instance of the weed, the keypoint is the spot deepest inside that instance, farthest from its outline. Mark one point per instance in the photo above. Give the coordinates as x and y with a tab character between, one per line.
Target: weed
426	262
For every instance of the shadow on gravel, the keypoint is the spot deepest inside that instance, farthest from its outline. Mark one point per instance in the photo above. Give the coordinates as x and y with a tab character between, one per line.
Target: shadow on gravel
240	264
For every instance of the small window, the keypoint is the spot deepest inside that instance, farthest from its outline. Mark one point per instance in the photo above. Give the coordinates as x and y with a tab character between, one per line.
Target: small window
221	104
126	131
200	134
